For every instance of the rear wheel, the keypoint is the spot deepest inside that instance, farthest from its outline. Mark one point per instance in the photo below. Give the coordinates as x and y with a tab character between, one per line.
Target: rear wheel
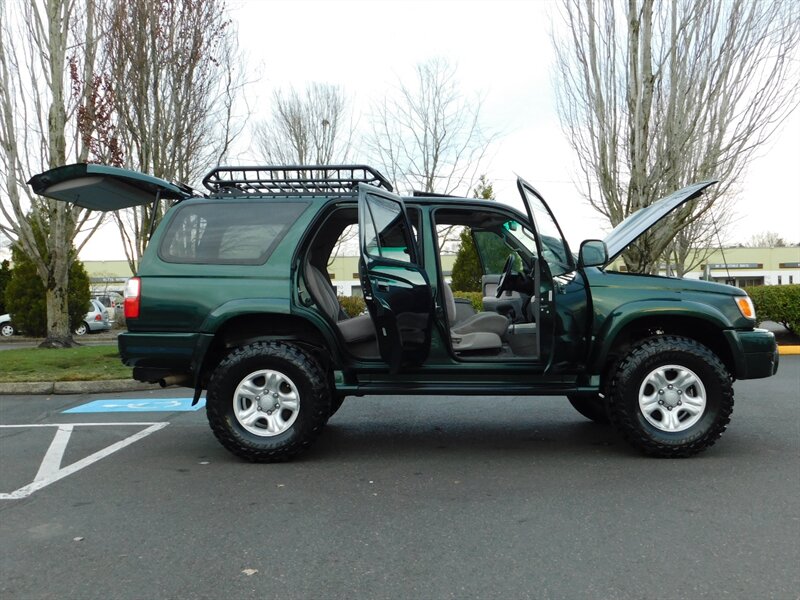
671	397
7	330
591	406
268	401
82	329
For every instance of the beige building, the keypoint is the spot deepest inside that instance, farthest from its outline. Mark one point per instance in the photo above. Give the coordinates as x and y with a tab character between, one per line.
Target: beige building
745	266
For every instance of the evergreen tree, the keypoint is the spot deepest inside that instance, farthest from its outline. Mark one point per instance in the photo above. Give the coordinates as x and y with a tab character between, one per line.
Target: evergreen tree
467	270
26	300
5	277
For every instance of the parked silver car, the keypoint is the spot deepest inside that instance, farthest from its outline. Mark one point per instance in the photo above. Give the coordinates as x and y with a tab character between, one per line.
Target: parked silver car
96	319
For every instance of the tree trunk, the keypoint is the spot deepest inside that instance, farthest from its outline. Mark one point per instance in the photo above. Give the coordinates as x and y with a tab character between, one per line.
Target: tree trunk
59	333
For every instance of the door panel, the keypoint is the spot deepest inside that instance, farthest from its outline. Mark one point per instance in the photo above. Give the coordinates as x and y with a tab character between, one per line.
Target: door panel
396	288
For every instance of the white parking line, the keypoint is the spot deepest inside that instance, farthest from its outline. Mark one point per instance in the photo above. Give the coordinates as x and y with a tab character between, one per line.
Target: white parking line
51	471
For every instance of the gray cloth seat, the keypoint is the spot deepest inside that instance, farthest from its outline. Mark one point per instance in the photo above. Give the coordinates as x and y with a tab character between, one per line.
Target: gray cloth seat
355	329
481	331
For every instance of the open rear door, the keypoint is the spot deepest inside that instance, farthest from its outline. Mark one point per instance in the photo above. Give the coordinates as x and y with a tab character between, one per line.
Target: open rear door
396	288
98	187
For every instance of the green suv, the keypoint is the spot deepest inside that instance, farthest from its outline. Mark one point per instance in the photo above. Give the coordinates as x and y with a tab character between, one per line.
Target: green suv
233	295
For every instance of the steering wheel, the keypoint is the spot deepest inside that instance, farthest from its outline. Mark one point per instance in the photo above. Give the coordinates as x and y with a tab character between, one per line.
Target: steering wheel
505	278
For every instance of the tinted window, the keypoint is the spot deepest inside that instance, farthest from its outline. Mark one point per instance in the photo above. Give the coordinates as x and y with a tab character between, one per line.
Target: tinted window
243	233
386	233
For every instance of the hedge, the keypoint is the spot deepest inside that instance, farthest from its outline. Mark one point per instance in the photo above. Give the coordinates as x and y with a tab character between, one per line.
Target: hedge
779	303
352	305
476	298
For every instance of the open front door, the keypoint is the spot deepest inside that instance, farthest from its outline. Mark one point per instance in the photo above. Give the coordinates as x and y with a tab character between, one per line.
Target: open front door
396	288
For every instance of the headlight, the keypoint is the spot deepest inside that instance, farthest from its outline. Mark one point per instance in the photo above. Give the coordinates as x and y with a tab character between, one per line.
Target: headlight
746	307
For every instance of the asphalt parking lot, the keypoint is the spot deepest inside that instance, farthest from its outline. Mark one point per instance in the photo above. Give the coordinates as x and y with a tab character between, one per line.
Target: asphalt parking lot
412	497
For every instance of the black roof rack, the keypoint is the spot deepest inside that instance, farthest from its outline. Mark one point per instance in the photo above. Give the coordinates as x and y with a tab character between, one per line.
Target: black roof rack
296	179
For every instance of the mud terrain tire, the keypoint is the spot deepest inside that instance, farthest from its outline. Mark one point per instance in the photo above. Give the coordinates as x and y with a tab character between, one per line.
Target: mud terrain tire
268	401
670	397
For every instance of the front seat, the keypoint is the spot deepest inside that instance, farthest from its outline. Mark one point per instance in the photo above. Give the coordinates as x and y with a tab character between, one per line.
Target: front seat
354	329
481	331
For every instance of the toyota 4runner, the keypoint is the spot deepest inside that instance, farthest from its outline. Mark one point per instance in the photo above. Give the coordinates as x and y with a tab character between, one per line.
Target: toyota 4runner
233	296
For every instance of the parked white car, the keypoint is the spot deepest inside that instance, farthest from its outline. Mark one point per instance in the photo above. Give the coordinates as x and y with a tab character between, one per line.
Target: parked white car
7	328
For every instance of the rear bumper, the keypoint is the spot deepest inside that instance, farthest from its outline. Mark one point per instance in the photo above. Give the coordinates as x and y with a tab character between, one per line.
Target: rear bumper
755	353
163	352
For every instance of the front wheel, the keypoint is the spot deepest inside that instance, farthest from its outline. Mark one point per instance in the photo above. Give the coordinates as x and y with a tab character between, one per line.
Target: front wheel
268	401
671	397
7	330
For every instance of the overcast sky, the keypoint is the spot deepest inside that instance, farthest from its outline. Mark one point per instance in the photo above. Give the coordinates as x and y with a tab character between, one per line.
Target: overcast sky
503	51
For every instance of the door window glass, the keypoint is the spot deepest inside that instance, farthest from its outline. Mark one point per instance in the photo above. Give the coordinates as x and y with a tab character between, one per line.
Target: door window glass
386	232
554	249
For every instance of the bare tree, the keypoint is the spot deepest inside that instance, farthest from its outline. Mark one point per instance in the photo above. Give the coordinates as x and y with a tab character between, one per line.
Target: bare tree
428	136
314	127
699	238
175	75
767	239
47	106
657	94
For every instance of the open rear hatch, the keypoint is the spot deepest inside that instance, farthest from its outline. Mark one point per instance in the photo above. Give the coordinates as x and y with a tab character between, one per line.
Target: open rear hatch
99	187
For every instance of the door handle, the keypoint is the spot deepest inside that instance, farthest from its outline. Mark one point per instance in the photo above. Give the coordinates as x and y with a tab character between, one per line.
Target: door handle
382	287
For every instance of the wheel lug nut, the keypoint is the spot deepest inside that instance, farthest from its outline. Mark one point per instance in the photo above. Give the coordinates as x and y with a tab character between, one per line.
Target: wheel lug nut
277	405
669	386
274	394
661	402
660	391
679	402
679	392
269	412
669	408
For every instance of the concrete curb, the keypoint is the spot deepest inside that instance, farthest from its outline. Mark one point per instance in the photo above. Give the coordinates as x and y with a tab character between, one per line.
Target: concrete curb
784	350
75	387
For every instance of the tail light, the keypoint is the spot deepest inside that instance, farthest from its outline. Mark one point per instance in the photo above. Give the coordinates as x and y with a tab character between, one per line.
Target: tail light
133	292
98	317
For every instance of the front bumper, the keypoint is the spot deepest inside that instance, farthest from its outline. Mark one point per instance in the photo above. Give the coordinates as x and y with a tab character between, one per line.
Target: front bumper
754	351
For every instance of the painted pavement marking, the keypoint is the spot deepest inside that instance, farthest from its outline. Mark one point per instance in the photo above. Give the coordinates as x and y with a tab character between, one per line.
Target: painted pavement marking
51	470
138	405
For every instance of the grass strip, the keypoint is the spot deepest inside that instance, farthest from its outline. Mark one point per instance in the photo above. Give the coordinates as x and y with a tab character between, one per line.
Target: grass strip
86	363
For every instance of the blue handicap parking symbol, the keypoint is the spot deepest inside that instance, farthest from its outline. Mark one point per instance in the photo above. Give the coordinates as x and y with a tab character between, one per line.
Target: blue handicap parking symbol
138	405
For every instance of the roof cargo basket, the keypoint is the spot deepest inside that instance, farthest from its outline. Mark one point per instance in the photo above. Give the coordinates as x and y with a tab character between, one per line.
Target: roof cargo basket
298	179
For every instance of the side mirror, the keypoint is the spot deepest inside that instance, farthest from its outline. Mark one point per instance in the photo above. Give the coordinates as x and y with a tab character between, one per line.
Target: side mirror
593	253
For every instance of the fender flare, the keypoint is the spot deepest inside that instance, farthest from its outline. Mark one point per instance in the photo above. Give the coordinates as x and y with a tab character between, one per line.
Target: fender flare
631	312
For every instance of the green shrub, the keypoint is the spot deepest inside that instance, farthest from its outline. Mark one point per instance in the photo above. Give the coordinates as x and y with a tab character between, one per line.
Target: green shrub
352	305
476	298
779	303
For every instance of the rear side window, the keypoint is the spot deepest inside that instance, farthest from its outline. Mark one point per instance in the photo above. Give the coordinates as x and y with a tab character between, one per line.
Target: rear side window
239	233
